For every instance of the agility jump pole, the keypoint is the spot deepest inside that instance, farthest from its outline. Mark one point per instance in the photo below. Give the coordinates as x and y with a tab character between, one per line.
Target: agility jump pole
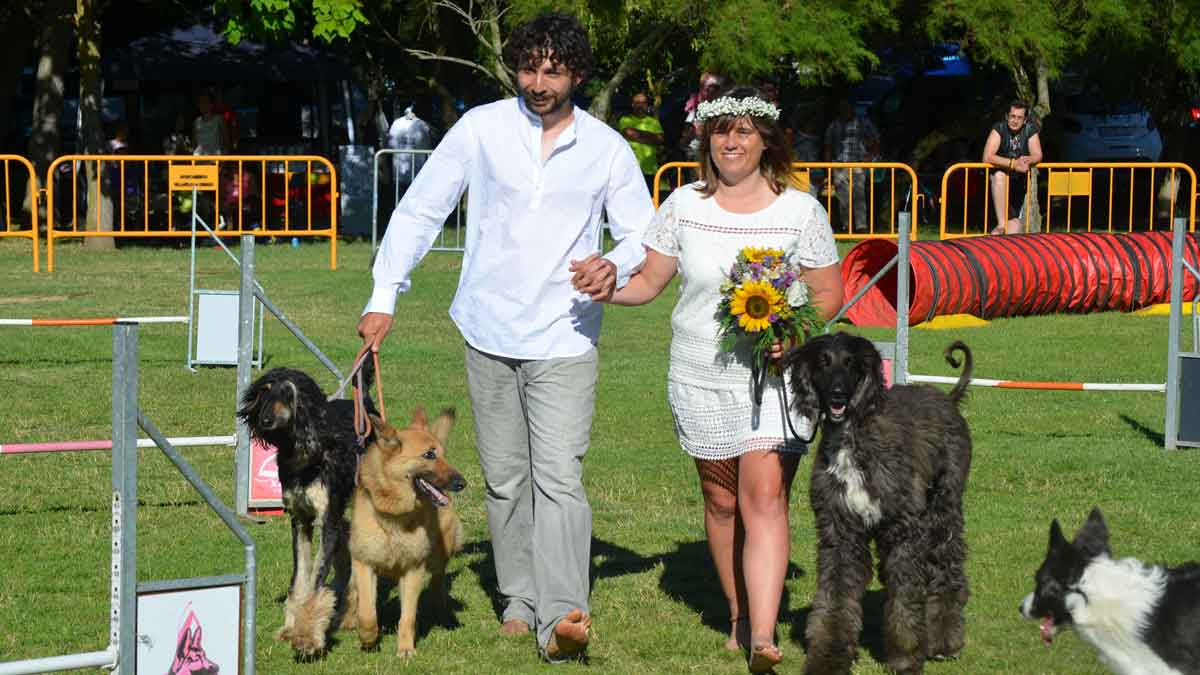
77	446
102	321
1045	386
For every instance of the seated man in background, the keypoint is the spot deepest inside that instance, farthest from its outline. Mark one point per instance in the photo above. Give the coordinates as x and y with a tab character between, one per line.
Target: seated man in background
1013	147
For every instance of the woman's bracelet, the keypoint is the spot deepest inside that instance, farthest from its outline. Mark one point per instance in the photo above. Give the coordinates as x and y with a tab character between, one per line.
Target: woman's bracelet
1012	163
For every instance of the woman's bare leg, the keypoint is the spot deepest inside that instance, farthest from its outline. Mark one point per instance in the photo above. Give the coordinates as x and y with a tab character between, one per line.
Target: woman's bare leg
718	483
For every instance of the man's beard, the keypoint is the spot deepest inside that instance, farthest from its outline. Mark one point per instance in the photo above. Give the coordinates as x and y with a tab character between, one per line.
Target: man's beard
549	104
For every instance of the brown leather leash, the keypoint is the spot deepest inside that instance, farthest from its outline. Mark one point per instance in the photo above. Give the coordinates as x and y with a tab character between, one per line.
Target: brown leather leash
362	422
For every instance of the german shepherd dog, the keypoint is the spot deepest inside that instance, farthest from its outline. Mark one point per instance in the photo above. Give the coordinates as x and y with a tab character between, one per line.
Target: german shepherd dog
318	453
404	524
1141	618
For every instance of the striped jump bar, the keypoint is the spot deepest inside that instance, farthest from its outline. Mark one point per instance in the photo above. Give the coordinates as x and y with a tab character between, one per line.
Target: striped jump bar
105	321
75	446
1052	386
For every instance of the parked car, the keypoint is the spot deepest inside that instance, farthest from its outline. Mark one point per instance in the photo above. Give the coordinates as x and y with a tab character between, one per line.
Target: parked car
1091	130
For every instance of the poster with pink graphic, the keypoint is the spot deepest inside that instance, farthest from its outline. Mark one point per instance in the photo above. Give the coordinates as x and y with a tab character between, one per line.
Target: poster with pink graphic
265	490
196	631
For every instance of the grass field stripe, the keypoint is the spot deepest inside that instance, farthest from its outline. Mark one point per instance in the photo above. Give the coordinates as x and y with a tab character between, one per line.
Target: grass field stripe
80	446
1045	386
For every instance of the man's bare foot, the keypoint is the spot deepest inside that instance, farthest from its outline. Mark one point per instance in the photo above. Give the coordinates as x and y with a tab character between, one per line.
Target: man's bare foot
739	635
514	627
570	636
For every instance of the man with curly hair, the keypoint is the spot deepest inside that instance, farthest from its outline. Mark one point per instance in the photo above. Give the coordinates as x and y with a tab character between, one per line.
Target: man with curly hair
540	172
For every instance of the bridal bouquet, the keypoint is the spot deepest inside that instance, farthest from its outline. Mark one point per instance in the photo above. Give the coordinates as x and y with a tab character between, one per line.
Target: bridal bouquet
763	300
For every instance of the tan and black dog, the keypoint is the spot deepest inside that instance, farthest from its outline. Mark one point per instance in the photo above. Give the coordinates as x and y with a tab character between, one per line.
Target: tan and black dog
403	525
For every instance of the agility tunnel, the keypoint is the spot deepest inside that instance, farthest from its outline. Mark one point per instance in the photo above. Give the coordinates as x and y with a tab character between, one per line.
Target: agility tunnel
1017	275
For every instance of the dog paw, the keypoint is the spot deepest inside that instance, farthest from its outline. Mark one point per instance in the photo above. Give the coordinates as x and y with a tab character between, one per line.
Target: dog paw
284	634
307	646
406	652
369	645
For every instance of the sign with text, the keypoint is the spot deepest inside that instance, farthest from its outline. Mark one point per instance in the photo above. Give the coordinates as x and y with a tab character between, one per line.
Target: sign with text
199	177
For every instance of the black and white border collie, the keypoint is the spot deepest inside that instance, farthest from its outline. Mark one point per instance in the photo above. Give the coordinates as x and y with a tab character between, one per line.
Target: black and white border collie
1141	618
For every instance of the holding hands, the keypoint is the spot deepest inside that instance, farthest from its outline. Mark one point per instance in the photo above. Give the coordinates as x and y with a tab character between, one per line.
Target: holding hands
595	276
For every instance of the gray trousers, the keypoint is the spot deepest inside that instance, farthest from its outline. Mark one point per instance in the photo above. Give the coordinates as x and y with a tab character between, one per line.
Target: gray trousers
862	190
533	420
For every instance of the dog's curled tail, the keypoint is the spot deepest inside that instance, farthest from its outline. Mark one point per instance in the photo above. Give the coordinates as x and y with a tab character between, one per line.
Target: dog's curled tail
968	364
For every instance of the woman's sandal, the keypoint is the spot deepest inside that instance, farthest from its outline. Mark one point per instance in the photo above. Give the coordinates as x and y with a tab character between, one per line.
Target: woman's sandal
739	636
764	658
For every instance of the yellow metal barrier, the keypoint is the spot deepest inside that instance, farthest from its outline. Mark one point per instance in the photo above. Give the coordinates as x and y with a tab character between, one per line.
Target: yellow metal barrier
15	199
151	196
875	185
1078	196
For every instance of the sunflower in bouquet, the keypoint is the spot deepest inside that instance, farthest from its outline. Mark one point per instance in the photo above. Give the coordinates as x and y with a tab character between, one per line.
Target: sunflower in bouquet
764	299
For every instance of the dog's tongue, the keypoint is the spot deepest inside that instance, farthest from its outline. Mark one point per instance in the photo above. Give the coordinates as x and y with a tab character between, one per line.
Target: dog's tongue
439	497
837	409
1047	630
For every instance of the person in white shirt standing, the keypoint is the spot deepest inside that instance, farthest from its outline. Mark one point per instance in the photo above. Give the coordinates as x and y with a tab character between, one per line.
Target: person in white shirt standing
540	172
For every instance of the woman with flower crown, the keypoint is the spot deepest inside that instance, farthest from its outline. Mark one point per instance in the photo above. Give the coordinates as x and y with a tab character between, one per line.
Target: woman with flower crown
745	453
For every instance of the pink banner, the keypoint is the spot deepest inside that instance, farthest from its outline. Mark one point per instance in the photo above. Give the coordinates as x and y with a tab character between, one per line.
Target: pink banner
265	489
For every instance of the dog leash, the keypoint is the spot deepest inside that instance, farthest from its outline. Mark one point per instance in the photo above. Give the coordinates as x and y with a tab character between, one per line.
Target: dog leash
758	377
362	422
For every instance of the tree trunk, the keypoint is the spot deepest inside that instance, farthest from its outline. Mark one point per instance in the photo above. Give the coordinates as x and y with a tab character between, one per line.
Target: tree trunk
602	103
16	37
91	134
54	41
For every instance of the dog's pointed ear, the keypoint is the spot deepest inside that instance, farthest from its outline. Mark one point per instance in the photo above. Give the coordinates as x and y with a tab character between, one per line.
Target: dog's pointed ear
378	424
797	363
1092	538
442	425
1057	540
419	420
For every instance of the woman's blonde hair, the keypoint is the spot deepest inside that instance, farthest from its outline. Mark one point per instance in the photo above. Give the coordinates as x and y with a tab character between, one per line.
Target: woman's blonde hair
776	162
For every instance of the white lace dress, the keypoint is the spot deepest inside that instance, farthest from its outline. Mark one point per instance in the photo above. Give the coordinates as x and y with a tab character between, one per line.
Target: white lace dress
710	392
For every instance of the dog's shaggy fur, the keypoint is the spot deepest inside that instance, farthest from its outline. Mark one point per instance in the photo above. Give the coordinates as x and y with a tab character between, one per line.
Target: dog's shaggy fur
317	455
1142	619
404	525
892	467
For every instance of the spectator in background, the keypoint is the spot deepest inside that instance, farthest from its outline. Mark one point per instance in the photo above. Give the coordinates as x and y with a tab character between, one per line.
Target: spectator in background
806	147
208	129
208	138
851	138
178	142
1013	147
645	136
710	84
770	92
229	119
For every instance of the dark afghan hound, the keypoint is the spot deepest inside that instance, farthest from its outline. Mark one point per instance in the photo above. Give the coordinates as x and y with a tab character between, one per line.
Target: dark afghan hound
318	453
892	467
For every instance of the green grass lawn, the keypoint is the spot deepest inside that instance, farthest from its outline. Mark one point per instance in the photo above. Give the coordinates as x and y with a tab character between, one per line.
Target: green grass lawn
656	601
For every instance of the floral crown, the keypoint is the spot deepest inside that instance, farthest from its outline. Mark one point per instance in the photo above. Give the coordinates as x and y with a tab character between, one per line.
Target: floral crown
752	106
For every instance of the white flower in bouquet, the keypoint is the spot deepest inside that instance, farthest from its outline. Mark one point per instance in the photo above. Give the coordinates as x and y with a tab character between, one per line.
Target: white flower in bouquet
797	293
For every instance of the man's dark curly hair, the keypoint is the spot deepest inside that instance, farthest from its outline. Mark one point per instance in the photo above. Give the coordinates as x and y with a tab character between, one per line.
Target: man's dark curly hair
555	35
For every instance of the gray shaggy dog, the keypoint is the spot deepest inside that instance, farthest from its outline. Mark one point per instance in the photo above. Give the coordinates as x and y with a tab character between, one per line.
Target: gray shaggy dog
892	466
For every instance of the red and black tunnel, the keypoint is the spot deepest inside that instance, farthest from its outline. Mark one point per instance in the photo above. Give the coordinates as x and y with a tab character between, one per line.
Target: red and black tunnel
1017	275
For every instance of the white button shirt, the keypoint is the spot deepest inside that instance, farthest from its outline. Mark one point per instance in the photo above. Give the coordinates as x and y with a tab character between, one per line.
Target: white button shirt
526	221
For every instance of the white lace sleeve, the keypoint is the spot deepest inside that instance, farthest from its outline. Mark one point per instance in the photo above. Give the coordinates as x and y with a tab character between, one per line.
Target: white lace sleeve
663	235
814	247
